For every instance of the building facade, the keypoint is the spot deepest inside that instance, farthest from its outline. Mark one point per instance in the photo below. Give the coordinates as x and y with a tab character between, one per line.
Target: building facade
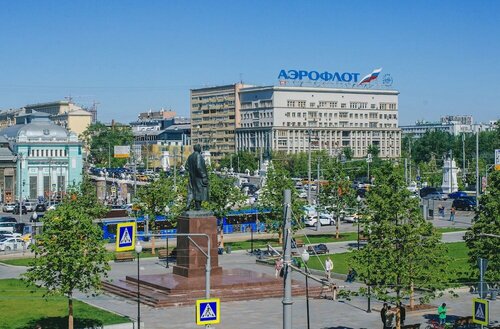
215	117
452	124
49	159
294	119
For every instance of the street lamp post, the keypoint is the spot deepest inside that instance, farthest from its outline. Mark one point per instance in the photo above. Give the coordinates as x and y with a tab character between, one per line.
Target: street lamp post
357	220
138	250
305	258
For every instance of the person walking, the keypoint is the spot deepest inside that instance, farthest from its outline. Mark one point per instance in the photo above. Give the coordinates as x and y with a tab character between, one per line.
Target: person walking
452	214
383	315
390	318
402	314
278	266
442	314
441	210
328	268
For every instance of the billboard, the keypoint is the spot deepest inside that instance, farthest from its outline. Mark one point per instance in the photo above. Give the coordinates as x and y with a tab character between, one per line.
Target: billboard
121	152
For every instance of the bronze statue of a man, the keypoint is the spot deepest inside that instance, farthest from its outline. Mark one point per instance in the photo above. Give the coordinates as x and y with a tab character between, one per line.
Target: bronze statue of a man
198	179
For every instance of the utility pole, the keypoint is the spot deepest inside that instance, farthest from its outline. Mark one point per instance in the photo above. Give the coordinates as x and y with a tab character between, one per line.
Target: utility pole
477	168
463	159
318	223
451	171
409	142
287	258
309	170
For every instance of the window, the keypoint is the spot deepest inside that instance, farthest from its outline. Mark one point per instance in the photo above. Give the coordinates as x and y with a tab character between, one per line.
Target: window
312	104
333	105
301	104
343	105
322	104
290	103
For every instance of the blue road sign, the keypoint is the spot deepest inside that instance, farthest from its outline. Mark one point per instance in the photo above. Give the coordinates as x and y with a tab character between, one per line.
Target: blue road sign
125	236
208	311
480	311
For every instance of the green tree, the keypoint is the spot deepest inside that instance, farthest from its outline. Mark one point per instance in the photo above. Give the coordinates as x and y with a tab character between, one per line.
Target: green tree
224	196
373	150
163	196
100	140
242	161
487	221
403	250
271	198
70	253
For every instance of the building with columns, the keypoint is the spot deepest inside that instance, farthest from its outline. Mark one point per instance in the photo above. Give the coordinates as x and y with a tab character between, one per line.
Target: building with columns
292	119
49	159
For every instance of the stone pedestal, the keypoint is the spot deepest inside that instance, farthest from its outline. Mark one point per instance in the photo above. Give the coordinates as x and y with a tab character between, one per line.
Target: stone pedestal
191	262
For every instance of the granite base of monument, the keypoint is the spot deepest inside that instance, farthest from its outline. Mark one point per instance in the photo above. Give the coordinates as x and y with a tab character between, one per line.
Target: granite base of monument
191	262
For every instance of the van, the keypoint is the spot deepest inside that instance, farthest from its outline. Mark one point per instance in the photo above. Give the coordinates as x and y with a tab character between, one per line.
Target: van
8	226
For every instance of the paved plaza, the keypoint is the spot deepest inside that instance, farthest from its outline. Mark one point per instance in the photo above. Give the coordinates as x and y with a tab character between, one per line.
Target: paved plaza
268	313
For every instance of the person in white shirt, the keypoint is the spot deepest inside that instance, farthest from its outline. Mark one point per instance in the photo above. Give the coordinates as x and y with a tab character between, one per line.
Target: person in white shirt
328	268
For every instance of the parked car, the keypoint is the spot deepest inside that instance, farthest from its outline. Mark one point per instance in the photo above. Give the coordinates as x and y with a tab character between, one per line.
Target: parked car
8	207
436	196
18	209
8	244
324	219
302	194
463	204
457	195
8	226
318	249
30	206
7	220
41	207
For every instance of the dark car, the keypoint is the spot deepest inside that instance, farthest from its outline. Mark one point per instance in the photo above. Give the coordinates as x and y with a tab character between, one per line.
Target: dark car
427	190
7	220
463	204
457	195
40	208
318	249
17	209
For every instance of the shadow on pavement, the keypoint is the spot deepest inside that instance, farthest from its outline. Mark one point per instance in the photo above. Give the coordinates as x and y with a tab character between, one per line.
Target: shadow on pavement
60	322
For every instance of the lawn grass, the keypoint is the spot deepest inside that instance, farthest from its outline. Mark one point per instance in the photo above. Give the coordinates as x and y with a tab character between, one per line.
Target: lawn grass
456	251
26	308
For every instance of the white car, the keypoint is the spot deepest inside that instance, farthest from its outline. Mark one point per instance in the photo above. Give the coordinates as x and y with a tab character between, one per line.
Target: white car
302	194
30	206
9	244
8	207
350	218
324	219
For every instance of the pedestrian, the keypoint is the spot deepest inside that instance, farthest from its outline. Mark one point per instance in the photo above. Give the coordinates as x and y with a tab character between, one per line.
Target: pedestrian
390	318
328	268
442	314
351	275
278	266
383	315
441	210
257	225
402	314
452	214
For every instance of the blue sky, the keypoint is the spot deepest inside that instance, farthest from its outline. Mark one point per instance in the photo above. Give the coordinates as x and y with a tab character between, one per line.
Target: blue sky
131	56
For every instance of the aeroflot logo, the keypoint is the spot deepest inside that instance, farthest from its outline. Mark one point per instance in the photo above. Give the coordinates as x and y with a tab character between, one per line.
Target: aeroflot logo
315	76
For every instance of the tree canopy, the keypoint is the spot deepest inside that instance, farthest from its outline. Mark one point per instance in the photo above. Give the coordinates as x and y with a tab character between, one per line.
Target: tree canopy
100	140
487	221
70	253
403	250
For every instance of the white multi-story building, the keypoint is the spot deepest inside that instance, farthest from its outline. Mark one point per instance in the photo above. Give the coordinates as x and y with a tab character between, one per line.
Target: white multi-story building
292	119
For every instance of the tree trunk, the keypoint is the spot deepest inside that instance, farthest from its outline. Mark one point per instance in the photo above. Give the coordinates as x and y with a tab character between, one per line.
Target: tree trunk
280	237
152	245
412	296
70	312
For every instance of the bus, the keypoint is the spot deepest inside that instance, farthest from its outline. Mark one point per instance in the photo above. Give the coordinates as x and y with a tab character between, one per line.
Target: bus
160	226
244	220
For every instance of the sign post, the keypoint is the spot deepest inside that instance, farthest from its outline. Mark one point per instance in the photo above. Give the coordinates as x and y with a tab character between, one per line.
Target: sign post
207	311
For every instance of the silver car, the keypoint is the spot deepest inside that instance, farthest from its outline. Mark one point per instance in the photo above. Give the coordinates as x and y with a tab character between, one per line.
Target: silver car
8	207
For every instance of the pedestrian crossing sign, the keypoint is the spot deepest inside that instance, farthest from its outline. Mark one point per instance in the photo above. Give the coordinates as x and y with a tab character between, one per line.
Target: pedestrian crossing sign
125	236
207	311
480	311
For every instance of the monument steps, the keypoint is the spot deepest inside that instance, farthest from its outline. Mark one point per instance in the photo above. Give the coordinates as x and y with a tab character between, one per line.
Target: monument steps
161	298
